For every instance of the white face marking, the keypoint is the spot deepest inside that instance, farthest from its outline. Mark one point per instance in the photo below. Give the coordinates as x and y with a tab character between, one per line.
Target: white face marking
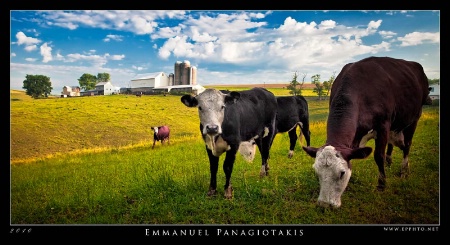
211	108
156	130
333	173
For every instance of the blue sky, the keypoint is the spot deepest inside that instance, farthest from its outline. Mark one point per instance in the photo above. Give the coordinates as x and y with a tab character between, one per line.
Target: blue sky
226	47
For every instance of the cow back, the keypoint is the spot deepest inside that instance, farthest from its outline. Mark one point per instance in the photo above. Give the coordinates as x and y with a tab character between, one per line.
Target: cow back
243	120
376	89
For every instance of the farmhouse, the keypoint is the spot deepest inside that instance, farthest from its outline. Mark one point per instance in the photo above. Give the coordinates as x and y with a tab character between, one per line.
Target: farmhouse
105	88
70	91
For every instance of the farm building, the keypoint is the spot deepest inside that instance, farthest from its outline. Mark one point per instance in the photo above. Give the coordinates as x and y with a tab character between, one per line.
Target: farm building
91	92
70	91
105	88
435	91
194	89
147	82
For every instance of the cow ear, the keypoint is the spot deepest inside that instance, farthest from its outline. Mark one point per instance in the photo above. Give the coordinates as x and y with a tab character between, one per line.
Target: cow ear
360	153
311	151
189	100
232	97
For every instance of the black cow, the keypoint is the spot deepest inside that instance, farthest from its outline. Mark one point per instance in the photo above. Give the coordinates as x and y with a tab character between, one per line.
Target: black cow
293	112
227	120
377	98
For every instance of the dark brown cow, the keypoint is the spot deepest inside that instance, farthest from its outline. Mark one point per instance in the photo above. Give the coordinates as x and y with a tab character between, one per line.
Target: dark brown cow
377	98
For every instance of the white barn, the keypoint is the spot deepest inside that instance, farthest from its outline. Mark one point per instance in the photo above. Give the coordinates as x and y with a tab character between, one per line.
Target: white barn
435	91
153	80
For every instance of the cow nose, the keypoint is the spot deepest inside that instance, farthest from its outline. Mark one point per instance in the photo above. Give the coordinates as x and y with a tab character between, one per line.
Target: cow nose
212	129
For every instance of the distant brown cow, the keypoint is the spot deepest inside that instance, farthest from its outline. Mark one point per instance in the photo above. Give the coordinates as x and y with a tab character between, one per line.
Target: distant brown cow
161	133
377	98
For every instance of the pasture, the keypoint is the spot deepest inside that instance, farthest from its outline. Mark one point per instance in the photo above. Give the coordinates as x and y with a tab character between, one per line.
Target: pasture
88	160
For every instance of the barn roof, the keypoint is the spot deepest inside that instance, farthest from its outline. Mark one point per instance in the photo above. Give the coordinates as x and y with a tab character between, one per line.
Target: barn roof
147	76
101	83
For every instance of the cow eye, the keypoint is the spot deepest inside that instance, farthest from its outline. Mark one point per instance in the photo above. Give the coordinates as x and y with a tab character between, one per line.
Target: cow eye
337	155
342	174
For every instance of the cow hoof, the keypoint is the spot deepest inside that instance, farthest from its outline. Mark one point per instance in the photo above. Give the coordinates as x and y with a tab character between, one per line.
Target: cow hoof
388	161
404	173
229	193
263	173
212	192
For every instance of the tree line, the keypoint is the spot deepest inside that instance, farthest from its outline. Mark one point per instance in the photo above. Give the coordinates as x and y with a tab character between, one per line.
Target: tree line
40	86
322	89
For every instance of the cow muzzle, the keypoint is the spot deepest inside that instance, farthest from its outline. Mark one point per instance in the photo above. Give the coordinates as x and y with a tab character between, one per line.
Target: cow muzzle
212	129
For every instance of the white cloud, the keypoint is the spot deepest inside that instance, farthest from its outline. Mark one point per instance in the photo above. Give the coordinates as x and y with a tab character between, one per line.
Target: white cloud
117	57
110	37
416	38
23	39
387	34
46	52
136	21
30	48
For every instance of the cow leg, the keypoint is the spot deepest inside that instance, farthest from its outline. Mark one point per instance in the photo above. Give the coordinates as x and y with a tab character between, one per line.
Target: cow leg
408	135
228	169
305	130
292	139
264	148
390	148
213	167
154	141
379	155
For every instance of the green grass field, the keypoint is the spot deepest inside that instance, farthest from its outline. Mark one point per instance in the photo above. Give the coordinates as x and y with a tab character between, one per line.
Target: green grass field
88	160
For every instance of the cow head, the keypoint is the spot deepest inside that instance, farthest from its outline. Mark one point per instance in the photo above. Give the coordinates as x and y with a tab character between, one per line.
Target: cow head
333	169
211	105
155	129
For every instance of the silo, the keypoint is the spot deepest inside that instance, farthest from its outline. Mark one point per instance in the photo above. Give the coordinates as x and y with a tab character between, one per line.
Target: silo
171	77
193	80
178	72
185	72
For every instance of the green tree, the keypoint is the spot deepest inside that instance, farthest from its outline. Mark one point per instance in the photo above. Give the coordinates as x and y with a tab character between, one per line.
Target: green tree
433	81
328	84
103	77
319	89
37	86
87	81
294	86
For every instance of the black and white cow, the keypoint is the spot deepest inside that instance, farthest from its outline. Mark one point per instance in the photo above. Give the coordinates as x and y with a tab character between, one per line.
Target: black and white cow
161	133
377	98
227	120
293	112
